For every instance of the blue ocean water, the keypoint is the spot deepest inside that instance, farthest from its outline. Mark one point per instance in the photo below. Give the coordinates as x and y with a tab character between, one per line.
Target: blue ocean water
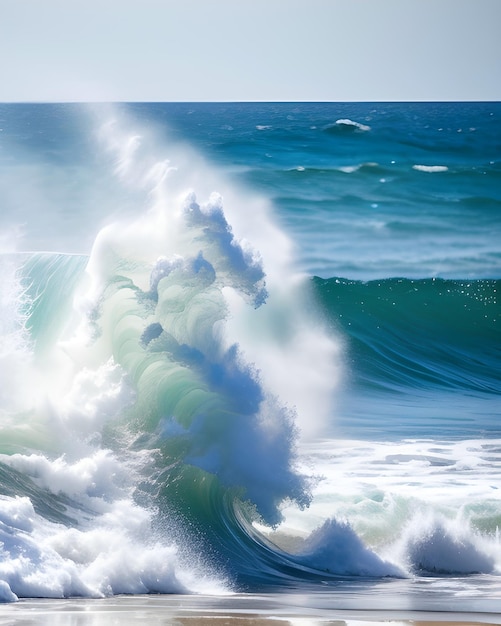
254	345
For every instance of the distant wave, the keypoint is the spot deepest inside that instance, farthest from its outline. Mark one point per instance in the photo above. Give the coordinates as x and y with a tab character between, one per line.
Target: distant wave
430	168
347	125
419	334
369	167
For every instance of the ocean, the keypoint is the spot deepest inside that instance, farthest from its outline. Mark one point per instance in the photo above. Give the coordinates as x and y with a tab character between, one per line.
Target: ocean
252	350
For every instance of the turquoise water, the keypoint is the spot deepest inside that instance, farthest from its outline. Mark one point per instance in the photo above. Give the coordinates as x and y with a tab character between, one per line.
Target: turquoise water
249	347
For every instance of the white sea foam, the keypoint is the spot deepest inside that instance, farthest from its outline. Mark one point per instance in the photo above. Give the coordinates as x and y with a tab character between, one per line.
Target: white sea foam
431	169
434	543
334	547
356	125
91	480
113	548
108	557
416	504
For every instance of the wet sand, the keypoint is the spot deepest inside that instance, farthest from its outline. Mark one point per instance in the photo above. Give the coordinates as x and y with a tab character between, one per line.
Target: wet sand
232	610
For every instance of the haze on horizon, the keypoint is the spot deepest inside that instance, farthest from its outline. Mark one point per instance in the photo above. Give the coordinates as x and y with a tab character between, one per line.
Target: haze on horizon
249	50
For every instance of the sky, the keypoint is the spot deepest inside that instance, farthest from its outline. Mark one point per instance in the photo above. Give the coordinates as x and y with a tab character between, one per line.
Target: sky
249	50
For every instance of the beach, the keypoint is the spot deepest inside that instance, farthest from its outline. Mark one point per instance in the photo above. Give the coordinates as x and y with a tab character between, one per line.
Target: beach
238	610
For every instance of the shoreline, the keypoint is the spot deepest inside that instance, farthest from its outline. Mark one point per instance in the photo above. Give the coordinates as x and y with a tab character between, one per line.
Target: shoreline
232	610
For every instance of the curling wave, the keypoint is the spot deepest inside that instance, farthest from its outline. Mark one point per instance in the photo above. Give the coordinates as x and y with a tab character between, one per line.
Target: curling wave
157	421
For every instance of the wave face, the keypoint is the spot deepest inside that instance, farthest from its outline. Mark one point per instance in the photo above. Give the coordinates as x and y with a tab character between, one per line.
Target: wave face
427	341
185	409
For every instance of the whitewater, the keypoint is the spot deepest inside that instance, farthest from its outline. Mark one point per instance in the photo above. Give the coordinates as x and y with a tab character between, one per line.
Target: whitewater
206	389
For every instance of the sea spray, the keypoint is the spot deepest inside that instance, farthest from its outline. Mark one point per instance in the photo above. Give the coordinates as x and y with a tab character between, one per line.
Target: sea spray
13	336
150	390
288	334
157	295
213	346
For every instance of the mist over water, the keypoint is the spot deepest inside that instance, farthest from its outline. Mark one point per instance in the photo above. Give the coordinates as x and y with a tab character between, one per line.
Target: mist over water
184	409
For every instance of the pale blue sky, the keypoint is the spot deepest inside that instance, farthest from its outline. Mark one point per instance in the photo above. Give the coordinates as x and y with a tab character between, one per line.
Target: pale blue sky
227	50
